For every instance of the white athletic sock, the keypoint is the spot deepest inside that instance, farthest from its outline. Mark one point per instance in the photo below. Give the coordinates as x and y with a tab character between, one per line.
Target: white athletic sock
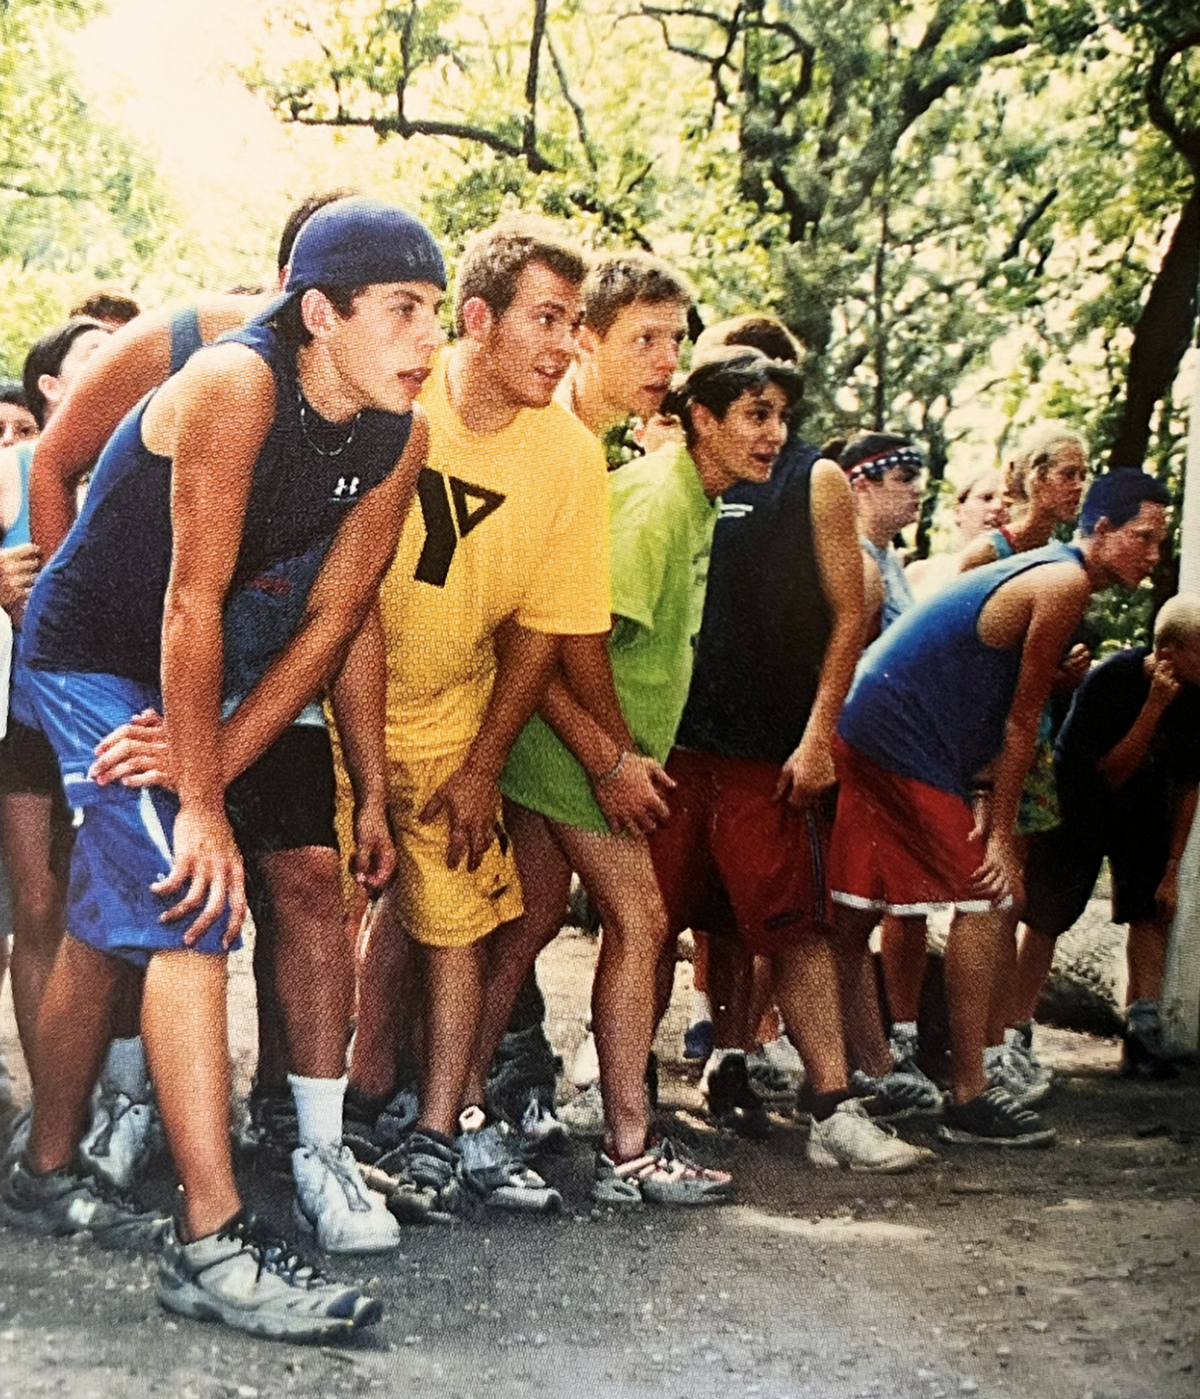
701	1007
125	1068
318	1109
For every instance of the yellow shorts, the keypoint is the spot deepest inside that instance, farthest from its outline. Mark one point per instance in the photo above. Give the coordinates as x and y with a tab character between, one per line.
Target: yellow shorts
443	907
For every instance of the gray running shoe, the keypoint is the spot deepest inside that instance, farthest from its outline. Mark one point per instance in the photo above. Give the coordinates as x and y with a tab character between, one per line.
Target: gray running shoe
120	1140
419	1179
253	1282
76	1201
1005	1069
491	1169
583	1116
905	1092
18	1137
1019	1043
334	1204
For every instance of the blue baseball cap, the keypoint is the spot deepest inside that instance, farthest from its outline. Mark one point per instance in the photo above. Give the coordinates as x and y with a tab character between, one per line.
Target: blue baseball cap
357	241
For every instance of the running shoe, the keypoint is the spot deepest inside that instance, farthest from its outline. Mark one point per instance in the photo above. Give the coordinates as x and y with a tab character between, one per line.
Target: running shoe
254	1282
74	1200
1143	1053
583	1116
334	1205
732	1100
493	1172
904	1092
662	1175
18	1136
271	1132
1018	1040
6	1087
770	1080
360	1114
698	1040
994	1119
398	1118
419	1179
120	1139
1005	1070
849	1138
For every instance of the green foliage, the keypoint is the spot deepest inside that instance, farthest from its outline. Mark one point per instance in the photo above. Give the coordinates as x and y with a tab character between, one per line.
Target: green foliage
78	203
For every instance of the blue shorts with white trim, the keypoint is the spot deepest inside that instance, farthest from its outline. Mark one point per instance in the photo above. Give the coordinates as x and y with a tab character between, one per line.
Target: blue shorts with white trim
123	836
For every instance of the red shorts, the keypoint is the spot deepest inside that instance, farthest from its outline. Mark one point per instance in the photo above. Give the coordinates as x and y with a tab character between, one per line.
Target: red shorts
899	845
734	858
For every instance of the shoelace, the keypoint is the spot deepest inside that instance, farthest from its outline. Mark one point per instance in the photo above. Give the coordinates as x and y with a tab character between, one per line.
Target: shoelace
346	1175
270	1252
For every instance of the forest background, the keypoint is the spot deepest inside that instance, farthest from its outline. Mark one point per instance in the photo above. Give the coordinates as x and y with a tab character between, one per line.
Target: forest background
975	213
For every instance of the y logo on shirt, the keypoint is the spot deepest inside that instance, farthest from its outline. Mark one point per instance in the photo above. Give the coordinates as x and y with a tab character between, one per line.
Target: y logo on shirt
472	505
346	490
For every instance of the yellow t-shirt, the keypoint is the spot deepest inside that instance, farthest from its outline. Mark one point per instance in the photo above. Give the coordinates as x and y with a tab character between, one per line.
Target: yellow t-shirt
506	524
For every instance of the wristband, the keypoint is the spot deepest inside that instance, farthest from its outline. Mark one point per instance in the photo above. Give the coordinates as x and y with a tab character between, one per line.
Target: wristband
601	779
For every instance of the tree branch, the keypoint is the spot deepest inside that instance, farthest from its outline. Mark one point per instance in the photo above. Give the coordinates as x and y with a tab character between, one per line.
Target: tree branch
1023	228
1187	143
576	109
406	127
531	80
31	193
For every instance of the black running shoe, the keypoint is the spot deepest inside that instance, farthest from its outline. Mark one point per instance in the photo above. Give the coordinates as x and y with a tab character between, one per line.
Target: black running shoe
732	1100
994	1119
1143	1054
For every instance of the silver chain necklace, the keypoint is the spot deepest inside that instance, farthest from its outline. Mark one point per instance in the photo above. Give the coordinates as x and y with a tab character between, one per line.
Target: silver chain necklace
337	451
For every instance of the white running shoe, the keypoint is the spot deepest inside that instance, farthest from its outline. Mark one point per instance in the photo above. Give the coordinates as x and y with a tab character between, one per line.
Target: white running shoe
585	1067
120	1139
583	1116
333	1203
851	1139
242	1276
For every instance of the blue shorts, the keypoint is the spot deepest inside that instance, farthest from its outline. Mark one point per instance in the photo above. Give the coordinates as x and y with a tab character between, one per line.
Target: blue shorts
122	837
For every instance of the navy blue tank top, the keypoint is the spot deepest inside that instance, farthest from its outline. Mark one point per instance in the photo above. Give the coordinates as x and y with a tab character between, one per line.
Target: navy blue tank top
766	623
930	701
98	605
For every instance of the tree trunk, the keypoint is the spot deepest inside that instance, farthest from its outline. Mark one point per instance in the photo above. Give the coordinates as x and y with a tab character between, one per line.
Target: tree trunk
1163	333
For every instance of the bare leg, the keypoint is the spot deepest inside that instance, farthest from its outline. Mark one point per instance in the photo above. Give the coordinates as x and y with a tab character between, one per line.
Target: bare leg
974	954
272	1067
187	1041
618	875
513	948
314	970
764	1018
903	943
1146	953
454	976
37	905
999	1018
1034	960
865	1037
731	992
72	1033
806	988
386	1001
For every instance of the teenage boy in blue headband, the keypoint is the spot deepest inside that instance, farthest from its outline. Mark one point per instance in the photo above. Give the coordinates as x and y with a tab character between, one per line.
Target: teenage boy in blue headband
246	510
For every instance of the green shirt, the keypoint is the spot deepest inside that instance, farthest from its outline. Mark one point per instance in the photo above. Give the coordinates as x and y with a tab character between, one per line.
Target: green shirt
660	537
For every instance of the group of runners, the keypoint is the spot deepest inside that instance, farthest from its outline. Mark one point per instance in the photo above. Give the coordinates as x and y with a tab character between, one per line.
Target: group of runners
305	507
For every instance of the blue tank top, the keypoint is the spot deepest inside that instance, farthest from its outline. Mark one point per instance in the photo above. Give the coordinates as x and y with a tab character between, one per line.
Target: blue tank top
18	531
98	605
930	701
766	621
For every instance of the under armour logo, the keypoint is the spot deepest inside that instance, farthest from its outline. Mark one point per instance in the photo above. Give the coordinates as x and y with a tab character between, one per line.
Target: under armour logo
472	505
348	489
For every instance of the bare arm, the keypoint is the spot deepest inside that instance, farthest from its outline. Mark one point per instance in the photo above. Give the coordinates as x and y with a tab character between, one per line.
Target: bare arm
1167	893
134	360
1053	604
212	426
471	796
809	770
1120	763
358	696
587	671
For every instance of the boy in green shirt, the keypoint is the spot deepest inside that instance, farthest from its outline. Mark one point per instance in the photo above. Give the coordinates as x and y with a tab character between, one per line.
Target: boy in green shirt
662	512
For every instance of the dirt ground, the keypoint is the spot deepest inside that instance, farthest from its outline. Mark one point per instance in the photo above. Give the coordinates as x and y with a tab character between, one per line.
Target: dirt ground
1072	1273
